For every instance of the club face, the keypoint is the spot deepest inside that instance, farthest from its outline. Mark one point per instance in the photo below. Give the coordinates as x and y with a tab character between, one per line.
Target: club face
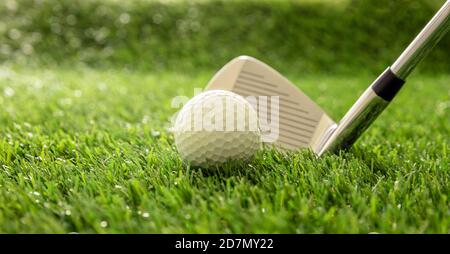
300	122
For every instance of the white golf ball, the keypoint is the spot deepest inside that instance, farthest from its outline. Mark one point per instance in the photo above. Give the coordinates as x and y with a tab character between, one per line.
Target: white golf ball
215	127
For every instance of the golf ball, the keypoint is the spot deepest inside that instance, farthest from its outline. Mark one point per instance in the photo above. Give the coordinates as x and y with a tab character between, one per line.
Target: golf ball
215	127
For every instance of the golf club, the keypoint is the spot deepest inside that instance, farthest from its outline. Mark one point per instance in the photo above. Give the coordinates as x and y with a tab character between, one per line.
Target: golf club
302	123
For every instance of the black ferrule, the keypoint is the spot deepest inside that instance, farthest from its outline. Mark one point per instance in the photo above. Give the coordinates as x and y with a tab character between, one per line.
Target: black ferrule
387	85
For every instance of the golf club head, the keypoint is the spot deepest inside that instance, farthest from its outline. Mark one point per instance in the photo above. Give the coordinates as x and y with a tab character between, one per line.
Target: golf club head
301	123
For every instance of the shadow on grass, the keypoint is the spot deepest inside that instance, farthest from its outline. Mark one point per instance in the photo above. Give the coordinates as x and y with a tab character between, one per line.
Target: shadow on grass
234	168
265	163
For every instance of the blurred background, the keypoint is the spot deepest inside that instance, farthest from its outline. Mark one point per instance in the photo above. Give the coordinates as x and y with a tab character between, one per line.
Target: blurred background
331	36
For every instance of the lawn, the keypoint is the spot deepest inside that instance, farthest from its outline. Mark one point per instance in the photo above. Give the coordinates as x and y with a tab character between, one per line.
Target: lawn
87	150
85	145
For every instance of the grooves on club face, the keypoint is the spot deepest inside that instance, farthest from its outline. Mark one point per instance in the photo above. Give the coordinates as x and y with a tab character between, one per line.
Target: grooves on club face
302	124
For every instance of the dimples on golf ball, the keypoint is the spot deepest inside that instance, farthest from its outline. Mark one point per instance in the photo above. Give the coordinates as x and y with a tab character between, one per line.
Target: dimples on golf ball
216	126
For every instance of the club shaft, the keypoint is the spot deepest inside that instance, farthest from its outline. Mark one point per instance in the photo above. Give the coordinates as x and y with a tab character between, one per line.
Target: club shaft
376	98
423	43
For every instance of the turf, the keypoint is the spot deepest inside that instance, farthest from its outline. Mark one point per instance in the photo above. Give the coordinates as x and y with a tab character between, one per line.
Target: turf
87	151
85	99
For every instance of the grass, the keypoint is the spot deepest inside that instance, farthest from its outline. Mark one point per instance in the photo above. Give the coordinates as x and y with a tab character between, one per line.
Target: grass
87	150
332	36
